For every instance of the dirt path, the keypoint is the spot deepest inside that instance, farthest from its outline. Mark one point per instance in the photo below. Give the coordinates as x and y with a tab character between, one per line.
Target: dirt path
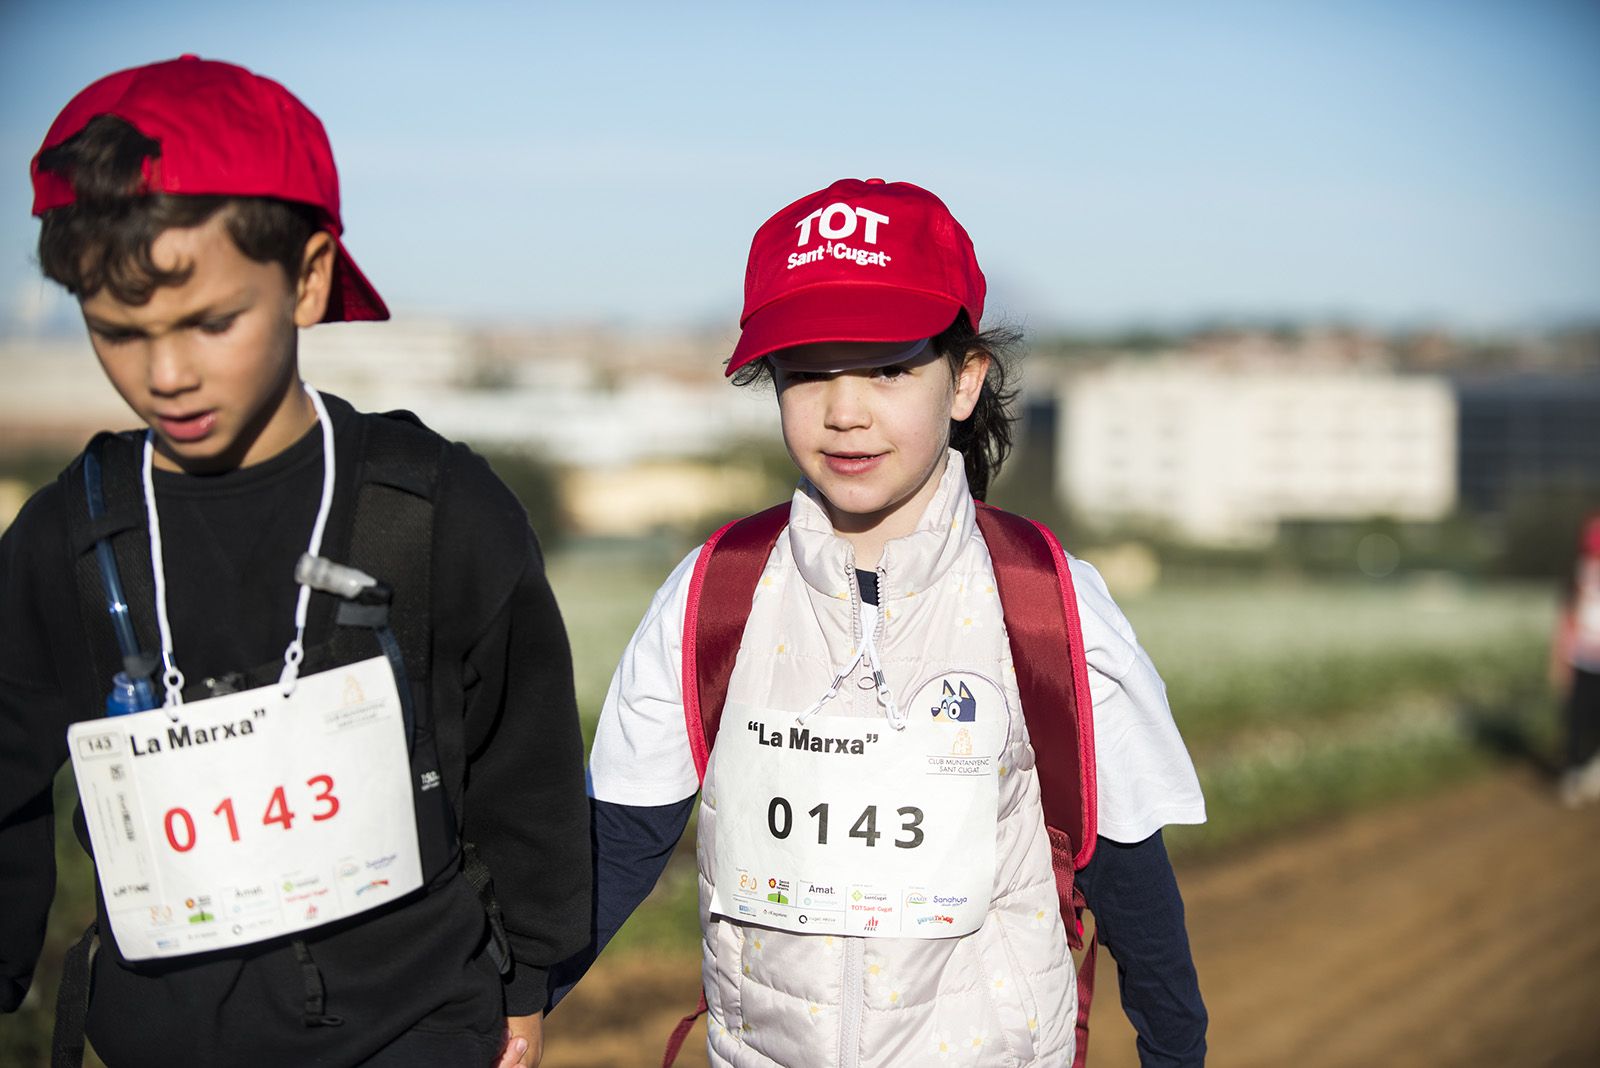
1460	930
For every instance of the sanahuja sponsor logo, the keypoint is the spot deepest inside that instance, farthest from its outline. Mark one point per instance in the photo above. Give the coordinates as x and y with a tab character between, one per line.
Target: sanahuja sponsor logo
379	863
952	900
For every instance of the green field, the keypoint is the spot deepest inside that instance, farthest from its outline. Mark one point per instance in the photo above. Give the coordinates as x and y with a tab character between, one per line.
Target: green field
1299	701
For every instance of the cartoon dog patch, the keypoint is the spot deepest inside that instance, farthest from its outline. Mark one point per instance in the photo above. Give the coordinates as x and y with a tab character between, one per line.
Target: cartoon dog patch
958	705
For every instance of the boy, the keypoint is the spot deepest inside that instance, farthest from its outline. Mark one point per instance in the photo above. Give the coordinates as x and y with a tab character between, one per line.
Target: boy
331	908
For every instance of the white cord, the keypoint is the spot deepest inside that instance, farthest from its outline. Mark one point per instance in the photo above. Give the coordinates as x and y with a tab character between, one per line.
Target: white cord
171	677
290	676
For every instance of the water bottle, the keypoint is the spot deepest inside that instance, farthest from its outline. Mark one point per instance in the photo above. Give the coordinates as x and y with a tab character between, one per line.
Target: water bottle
128	695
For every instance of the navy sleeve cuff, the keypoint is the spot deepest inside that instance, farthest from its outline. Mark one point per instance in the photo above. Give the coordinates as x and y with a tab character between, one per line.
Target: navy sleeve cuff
632	844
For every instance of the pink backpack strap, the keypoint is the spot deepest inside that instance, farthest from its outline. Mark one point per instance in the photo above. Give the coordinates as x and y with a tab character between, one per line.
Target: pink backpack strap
720	591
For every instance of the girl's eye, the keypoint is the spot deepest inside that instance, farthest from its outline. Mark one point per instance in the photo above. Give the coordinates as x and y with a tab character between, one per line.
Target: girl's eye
898	370
804	376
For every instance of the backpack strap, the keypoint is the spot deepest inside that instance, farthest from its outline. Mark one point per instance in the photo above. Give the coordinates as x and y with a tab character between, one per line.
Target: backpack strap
1040	606
720	591
391	534
1041	613
121	527
1042	617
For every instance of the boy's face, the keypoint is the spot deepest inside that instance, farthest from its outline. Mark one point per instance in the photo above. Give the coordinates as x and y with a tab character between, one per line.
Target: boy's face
873	440
210	365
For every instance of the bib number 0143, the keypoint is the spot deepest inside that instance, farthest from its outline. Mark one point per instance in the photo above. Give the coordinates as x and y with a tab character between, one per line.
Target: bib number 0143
780	823
182	832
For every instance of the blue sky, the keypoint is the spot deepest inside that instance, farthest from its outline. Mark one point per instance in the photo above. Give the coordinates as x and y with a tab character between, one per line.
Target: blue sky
1396	163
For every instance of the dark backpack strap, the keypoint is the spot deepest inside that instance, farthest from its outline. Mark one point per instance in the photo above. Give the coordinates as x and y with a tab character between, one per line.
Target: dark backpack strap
72	1001
482	883
392	539
720	591
124	526
391	534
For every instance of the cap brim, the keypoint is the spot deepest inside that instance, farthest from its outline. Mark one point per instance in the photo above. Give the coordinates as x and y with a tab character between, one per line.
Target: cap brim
352	297
841	313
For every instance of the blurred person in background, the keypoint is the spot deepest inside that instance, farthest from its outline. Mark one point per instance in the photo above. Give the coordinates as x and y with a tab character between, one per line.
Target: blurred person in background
1575	671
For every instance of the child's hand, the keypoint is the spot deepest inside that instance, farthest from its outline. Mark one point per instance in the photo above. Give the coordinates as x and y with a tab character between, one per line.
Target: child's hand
524	1042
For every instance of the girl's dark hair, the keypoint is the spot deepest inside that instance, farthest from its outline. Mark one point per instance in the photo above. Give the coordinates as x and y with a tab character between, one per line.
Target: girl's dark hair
104	237
984	437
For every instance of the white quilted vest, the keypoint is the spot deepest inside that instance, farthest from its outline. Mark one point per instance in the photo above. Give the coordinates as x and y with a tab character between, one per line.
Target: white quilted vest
1003	995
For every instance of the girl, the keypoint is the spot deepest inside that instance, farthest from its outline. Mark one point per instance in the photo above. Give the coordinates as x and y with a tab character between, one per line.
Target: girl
875	879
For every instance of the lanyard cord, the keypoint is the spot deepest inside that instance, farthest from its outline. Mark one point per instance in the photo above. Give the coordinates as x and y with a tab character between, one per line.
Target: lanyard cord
171	677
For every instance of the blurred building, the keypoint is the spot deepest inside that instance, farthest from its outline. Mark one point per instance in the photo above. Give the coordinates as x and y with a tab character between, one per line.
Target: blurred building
619	413
55	395
1526	433
1221	452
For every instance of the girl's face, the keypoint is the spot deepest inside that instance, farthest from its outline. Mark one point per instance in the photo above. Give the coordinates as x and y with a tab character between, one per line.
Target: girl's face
873	440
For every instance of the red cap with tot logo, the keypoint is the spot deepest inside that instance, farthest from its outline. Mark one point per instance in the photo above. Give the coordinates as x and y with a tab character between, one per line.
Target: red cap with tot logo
858	261
223	132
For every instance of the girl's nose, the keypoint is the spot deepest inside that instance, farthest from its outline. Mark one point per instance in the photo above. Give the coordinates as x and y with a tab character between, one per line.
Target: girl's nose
847	404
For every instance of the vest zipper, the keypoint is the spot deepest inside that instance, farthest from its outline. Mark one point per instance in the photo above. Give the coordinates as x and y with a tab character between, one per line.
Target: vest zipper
858	639
852	994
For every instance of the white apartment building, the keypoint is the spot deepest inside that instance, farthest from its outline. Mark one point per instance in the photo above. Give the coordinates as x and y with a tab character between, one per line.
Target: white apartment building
1222	451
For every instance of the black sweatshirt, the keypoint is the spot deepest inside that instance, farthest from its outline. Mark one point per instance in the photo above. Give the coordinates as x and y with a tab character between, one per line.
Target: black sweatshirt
509	741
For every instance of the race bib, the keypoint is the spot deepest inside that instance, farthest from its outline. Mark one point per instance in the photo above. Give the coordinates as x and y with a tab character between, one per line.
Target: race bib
251	815
844	825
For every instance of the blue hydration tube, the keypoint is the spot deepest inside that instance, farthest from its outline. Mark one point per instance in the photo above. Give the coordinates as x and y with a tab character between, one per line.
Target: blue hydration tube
131	688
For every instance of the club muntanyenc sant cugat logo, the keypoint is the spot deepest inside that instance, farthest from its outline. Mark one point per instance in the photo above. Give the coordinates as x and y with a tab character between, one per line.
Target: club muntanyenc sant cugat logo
834	223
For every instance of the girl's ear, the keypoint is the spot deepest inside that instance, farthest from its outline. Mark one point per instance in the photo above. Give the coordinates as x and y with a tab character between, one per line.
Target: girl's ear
969	383
315	281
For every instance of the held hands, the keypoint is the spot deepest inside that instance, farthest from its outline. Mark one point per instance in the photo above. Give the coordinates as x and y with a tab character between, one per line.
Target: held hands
524	1042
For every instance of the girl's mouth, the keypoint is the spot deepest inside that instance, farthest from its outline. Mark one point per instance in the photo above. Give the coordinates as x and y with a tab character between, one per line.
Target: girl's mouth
852	463
187	428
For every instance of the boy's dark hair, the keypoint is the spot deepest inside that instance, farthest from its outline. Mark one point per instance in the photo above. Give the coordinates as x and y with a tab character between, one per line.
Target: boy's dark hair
103	239
984	438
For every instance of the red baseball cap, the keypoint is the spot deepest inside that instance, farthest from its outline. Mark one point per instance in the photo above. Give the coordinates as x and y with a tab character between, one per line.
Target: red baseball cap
858	261
223	132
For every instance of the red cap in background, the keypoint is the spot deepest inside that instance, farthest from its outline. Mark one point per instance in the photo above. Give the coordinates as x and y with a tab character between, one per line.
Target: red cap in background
223	132
858	261
1590	545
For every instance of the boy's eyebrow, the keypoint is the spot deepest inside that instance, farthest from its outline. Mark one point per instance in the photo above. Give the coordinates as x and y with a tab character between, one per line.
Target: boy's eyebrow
221	309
